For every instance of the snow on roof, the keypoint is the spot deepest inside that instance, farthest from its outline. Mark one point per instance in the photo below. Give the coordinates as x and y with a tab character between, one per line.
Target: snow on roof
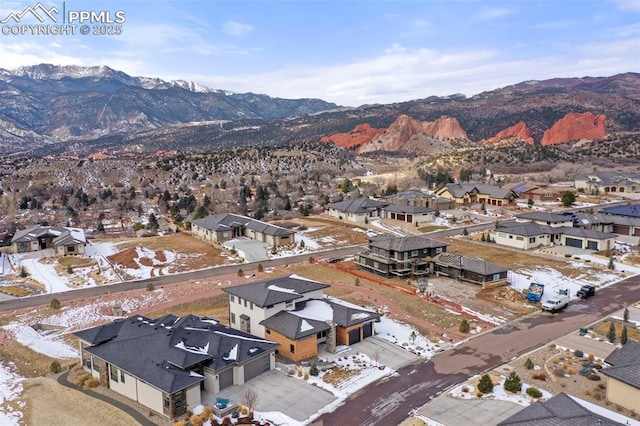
359	316
211	321
305	326
299	277
194	349
344	303
78	234
282	289
316	310
233	354
236	336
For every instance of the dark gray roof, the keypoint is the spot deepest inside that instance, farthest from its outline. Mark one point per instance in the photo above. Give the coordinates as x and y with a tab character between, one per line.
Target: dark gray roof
399	208
316	313
527	229
160	352
629	211
587	233
561	410
459	189
544	217
229	221
625	364
611	178
62	236
276	290
357	205
472	264
402	244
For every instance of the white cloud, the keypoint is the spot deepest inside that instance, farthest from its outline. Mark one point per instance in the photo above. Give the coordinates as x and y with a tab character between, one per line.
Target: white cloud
632	5
553	25
236	28
494	13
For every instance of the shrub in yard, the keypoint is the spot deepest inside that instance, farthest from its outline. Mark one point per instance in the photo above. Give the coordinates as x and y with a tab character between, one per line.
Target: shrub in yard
196	420
465	389
312	260
611	334
513	383
578	353
55	367
91	383
598	396
571	370
602	386
464	326
587	392
306	376
55	303
23	272
623	336
534	392
485	385
594	377
591	357
178	423
299	372
313	369
541	376
150	287
528	364
291	371
260	267
240	272
69	269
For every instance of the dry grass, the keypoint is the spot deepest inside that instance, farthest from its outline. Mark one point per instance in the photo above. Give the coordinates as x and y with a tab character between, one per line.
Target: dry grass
75	261
214	307
28	362
17	291
603	328
338	375
431	228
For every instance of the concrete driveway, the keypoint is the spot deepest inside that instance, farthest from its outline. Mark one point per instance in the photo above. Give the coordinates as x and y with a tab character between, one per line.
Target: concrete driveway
393	356
278	392
451	411
253	251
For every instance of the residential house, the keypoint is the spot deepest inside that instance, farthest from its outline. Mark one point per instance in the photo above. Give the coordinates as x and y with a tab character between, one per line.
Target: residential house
466	194
294	312
410	214
608	182
400	256
560	410
166	363
65	241
222	227
532	235
544	218
419	199
357	210
623	384
540	191
625	220
470	269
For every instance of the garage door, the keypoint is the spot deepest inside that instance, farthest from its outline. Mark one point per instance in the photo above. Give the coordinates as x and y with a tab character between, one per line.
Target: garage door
592	245
354	336
367	330
572	242
226	379
255	368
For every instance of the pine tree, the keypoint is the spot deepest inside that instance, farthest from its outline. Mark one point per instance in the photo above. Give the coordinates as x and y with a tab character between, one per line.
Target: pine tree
485	385
611	334
528	364
513	383
623	336
625	315
464	326
611	265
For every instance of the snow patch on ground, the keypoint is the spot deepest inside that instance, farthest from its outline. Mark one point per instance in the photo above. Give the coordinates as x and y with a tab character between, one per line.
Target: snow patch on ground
10	390
408	338
499	393
47	344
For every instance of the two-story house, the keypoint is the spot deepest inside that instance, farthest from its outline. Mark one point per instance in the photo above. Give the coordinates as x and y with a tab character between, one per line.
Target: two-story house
466	194
294	312
400	256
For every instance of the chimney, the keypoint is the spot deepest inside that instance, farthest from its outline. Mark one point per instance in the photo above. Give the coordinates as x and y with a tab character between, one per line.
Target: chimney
330	344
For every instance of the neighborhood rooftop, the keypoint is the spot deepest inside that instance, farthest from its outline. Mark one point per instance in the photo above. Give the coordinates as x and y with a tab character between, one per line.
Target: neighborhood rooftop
402	244
229	221
472	264
625	364
275	290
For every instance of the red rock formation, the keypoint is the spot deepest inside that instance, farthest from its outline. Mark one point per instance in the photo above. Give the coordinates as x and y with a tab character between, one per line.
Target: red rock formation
405	128
361	134
444	127
518	131
575	126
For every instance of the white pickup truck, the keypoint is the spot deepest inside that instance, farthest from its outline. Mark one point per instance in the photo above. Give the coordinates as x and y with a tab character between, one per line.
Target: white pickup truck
555	303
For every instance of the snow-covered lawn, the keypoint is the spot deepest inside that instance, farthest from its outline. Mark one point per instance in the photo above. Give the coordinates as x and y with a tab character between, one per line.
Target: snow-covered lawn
468	391
10	390
408	338
48	344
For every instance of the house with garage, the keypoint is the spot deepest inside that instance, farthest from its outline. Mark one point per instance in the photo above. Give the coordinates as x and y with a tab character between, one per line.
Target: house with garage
357	210
623	384
294	312
605	182
560	410
544	218
167	363
526	235
466	194
392	256
219	228
419	199
409	214
65	241
470	269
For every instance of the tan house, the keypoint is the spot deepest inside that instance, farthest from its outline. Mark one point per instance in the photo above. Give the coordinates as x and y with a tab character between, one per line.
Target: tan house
623	386
166	363
294	312
65	241
466	194
357	210
222	227
533	235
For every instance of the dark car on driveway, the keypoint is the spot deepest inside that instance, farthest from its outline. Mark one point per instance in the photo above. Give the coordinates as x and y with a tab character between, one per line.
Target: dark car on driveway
586	291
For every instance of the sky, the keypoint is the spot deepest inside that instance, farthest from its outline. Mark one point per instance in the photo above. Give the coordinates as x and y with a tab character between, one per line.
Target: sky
351	52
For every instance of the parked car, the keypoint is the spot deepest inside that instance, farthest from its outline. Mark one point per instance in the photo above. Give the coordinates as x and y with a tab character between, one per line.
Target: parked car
586	291
555	303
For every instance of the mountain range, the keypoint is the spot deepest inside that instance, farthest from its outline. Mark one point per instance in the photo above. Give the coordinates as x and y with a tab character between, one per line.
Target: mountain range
48	109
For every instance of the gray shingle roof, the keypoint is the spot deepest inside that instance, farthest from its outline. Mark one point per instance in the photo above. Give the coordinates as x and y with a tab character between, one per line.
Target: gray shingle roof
629	211
161	351
527	229
587	233
399	208
402	244
544	217
62	236
276	290
228	221
561	410
459	189
625	364
357	205
472	264
294	327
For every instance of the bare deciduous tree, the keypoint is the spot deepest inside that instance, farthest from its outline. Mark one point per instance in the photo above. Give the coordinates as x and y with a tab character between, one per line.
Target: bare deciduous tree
250	399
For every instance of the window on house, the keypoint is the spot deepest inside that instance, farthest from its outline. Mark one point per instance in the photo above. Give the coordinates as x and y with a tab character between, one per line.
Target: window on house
532	239
232	298
439	250
496	277
251	305
233	318
267	331
71	249
114	373
414	253
375	264
121	376
288	305
292	348
520	238
502	235
245	303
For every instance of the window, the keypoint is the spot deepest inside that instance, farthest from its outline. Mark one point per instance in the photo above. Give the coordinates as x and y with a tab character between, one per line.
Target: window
245	303
496	277
94	361
292	348
251	305
121	376
532	239
267	331
71	249
288	304
114	373
501	234
520	238
439	250
233	318
375	264
414	253
225	235
232	298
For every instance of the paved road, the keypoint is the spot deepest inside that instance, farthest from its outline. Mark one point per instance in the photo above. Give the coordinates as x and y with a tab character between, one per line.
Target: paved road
391	401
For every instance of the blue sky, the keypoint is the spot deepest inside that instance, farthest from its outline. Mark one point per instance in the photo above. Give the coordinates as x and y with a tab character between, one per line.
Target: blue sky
351	52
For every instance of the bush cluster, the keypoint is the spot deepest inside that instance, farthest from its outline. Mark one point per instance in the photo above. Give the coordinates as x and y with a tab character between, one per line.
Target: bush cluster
534	392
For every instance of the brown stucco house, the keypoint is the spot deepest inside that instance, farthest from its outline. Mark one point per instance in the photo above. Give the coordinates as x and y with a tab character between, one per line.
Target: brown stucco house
294	312
167	363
